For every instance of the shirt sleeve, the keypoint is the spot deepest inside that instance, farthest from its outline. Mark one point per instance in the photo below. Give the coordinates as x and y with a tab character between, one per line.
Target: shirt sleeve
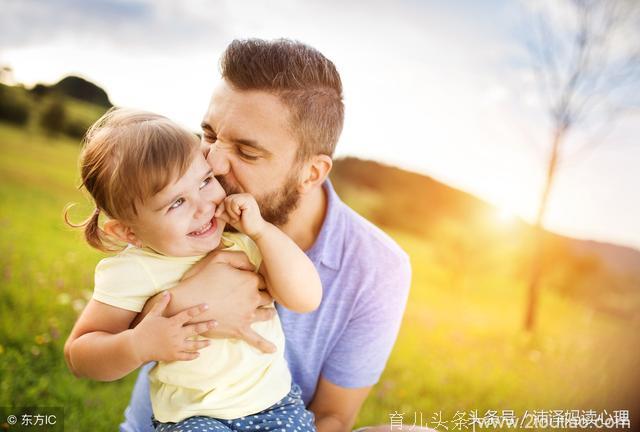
361	353
123	282
243	243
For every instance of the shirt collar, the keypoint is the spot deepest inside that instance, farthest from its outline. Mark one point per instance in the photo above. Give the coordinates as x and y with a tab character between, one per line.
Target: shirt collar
328	247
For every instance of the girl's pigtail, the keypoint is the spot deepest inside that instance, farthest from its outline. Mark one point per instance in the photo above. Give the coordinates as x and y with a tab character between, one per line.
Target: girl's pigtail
94	235
92	231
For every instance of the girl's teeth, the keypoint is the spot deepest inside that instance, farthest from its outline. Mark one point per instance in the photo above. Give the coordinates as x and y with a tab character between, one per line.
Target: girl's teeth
203	229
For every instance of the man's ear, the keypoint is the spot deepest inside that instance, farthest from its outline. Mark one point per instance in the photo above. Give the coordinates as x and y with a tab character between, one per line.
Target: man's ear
118	230
315	172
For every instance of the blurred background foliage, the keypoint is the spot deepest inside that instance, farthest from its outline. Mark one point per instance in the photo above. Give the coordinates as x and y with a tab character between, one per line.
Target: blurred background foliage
66	108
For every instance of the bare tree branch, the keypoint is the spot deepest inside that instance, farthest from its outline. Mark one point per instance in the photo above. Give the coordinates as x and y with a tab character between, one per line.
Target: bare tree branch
587	73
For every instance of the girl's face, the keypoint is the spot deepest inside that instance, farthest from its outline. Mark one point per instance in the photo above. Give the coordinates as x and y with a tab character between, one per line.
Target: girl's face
178	220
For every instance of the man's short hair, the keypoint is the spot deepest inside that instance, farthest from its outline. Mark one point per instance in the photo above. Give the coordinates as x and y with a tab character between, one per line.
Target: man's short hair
306	82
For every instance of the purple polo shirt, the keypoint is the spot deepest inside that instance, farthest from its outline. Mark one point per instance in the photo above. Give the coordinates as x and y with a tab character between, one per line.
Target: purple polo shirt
347	340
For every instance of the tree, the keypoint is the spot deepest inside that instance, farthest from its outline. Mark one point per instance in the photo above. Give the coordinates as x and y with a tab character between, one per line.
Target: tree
6	74
14	105
585	56
54	117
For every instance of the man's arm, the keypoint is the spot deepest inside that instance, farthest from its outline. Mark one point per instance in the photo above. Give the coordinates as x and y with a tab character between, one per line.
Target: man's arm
361	353
235	295
335	407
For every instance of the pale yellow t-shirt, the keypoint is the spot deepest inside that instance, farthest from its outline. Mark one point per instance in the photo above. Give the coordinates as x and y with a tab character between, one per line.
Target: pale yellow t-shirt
230	379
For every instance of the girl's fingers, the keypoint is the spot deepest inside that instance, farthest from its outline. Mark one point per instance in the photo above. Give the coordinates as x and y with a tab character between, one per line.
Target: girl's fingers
199	328
236	209
186	315
224	216
229	208
195	345
185	356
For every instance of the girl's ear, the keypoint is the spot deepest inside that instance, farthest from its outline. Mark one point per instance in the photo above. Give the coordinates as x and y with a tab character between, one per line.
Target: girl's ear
118	230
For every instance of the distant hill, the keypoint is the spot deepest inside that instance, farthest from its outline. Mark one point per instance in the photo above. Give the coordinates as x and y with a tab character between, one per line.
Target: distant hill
77	88
617	258
413	202
406	200
68	107
418	204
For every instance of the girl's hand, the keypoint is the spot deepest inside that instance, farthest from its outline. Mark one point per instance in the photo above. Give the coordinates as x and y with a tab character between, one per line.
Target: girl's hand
157	338
241	211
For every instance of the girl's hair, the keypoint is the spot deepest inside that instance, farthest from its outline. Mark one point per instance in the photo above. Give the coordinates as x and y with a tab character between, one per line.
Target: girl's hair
127	157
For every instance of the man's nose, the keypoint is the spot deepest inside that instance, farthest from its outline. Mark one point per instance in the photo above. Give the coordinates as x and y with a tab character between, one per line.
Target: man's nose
218	161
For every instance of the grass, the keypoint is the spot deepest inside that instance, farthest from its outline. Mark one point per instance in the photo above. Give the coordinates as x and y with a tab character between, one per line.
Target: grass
46	272
459	349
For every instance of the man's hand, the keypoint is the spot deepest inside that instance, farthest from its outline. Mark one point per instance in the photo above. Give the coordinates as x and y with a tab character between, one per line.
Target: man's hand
236	297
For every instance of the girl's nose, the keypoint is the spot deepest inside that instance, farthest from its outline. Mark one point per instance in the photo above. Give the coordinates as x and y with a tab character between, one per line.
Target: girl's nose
204	207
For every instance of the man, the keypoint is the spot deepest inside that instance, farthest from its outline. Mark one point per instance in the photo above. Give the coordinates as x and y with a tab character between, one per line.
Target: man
272	126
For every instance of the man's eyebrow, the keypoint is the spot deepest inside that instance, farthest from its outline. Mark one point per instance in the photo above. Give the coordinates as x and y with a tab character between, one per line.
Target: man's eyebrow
249	143
206	127
235	140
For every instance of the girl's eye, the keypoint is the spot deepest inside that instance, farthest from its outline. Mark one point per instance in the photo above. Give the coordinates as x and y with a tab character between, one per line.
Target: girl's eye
206	181
177	203
209	138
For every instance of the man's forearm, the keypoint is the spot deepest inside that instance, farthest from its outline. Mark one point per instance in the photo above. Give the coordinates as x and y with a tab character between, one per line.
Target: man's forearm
336	408
329	423
183	296
233	296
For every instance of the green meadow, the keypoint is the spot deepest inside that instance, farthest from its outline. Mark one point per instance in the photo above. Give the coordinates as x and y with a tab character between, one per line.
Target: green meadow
460	347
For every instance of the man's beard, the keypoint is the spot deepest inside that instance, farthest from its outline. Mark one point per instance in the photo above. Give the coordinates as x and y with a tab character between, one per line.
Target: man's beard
275	206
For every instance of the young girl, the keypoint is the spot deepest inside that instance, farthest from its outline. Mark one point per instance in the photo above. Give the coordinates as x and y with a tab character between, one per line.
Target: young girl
149	178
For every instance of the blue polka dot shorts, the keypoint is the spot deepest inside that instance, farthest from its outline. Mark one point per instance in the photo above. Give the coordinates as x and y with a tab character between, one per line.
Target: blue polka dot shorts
288	415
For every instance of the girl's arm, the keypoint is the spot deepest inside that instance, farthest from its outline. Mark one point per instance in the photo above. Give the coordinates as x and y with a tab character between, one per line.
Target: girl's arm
290	276
102	347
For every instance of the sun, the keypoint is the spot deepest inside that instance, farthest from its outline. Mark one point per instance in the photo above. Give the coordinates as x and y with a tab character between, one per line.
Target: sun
505	216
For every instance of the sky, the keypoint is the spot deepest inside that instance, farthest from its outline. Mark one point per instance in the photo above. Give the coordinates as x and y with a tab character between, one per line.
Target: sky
437	87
